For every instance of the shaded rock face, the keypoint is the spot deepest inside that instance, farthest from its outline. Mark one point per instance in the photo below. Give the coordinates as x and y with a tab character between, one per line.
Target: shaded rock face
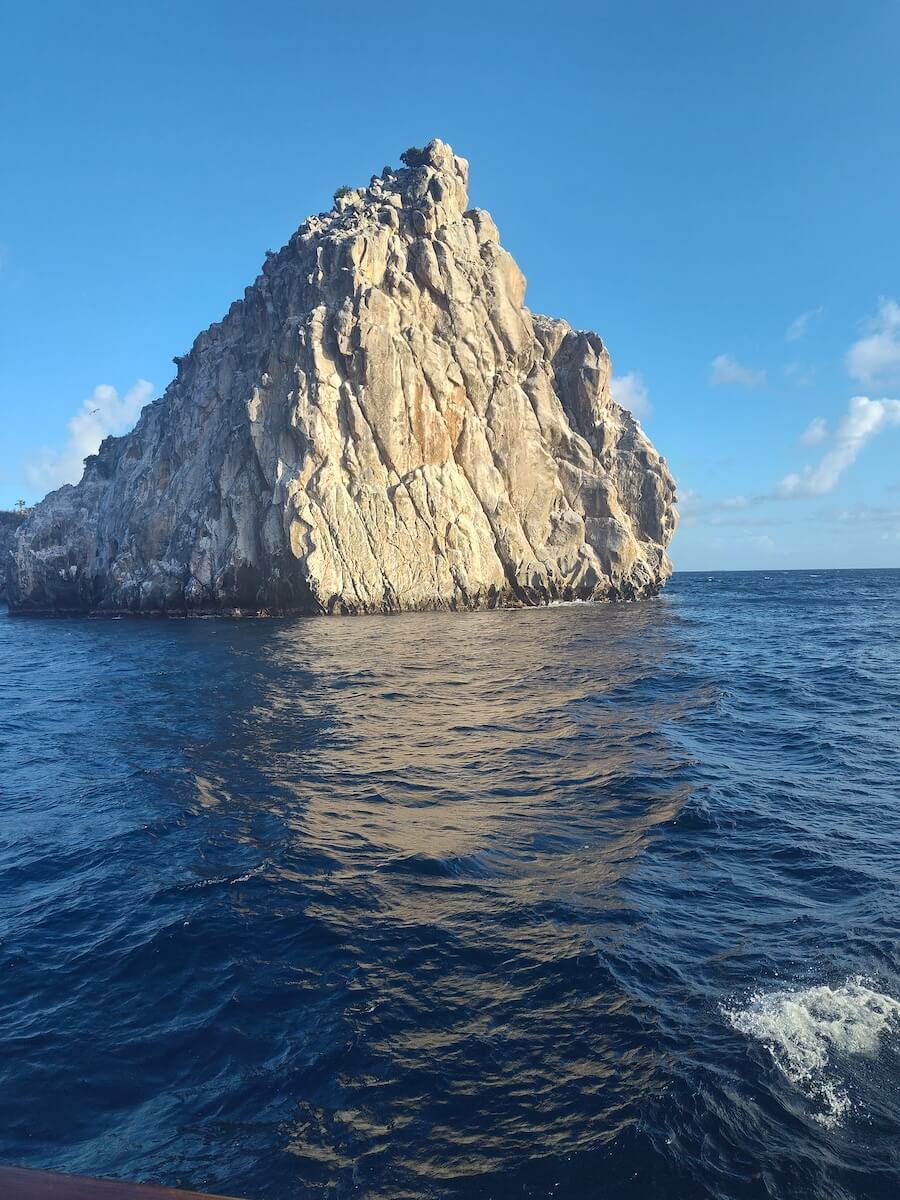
9	527
380	424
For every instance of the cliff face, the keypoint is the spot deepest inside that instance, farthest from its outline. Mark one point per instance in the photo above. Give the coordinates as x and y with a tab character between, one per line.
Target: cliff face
9	527
380	424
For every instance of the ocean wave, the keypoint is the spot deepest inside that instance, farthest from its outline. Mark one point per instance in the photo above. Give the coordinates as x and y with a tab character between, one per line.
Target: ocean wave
441	905
812	1032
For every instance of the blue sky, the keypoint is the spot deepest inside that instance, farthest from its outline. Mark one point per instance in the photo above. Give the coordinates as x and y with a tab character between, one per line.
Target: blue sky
714	188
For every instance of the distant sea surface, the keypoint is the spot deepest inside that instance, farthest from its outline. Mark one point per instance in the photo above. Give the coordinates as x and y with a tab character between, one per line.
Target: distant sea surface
588	901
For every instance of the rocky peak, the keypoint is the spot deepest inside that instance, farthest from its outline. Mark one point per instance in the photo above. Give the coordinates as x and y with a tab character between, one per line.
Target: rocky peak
417	200
379	424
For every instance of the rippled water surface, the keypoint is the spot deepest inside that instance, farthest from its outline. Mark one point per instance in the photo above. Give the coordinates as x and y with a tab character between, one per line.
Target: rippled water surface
585	901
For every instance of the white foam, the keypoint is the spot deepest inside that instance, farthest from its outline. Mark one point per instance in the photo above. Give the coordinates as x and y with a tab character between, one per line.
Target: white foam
809	1032
248	875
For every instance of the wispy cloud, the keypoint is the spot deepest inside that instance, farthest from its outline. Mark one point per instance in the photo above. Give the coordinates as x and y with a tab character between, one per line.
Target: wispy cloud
801	374
688	501
692	505
864	420
799	327
874	518
815	432
877	355
632	393
867	514
101	414
725	369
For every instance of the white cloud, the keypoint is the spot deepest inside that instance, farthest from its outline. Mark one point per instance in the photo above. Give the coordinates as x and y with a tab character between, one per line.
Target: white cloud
631	392
865	419
101	414
877	355
815	432
799	327
725	369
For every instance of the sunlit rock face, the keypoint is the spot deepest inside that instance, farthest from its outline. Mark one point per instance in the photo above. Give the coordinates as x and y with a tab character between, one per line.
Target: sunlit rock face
378	425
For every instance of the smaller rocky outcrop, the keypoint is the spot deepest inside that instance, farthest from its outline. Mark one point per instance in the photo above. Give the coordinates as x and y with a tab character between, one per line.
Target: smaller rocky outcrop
9	527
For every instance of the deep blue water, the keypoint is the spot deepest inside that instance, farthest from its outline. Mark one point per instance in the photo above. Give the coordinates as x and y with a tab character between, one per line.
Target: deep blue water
575	902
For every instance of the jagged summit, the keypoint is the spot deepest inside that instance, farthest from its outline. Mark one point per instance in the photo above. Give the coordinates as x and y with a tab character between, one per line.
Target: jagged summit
380	424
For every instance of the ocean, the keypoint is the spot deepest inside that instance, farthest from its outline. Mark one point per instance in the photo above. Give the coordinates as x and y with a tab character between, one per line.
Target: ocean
585	901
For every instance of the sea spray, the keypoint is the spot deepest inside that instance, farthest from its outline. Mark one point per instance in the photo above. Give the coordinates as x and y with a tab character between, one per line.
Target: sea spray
810	1031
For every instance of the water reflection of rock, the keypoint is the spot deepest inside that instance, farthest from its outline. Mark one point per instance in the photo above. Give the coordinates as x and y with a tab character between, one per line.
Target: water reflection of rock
450	738
460	801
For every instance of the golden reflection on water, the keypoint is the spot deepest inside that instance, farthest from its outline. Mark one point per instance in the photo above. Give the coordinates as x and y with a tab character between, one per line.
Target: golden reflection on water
464	796
446	735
